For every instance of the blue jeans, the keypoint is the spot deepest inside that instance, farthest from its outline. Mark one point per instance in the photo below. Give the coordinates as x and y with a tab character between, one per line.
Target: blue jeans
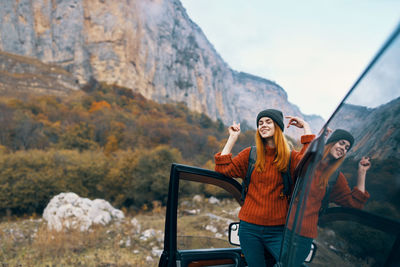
300	246
256	240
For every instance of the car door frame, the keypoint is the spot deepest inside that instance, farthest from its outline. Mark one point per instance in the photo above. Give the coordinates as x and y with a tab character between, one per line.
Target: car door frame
171	256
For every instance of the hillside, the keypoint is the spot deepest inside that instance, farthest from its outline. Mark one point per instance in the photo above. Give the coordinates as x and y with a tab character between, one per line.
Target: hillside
23	75
151	47
102	142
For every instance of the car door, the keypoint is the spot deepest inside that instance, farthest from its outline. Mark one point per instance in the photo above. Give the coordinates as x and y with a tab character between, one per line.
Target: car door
192	237
348	236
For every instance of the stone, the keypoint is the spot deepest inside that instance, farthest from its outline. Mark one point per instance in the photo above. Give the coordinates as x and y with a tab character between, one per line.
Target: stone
213	200
68	210
197	198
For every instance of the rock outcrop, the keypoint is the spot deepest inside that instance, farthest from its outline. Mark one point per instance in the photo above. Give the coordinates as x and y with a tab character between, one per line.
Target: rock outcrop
68	210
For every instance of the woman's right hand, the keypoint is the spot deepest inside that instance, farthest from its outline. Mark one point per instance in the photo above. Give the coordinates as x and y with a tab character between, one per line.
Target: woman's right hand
234	130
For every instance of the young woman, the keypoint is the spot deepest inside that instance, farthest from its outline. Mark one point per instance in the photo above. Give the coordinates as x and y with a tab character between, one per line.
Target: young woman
336	148
263	214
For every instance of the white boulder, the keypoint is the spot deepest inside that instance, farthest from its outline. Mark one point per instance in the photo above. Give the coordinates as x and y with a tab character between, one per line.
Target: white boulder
73	212
197	199
211	228
213	200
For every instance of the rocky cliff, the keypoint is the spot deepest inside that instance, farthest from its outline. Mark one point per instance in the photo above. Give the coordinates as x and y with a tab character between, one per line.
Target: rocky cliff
150	46
376	130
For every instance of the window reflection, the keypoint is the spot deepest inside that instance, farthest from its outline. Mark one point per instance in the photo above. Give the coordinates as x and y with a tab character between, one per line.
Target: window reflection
381	85
328	184
357	167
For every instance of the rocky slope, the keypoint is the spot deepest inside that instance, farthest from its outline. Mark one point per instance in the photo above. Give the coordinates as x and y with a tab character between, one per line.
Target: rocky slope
376	130
150	46
19	75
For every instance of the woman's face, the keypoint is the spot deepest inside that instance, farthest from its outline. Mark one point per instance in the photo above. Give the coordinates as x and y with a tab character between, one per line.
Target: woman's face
266	127
340	149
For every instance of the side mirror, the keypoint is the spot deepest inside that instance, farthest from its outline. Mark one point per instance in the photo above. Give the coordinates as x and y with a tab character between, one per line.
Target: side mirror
234	234
311	254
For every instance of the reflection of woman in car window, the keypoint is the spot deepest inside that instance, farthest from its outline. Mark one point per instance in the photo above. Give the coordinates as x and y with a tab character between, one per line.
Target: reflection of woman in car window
327	175
264	211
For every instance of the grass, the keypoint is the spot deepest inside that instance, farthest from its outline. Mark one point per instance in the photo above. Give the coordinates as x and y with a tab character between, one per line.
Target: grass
31	243
28	242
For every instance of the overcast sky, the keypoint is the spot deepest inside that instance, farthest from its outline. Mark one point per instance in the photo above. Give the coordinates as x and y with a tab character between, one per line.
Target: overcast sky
314	49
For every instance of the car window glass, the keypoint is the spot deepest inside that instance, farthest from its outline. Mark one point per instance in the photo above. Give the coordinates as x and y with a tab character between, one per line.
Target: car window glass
204	214
352	244
370	113
381	84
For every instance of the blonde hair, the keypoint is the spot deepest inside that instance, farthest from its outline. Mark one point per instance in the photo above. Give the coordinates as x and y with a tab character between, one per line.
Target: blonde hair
324	178
282	151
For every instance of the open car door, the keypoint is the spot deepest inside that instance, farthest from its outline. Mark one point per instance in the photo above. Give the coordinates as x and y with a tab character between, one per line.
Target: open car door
347	236
183	247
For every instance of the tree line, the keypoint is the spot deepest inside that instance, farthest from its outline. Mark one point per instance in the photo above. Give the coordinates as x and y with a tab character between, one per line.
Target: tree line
103	142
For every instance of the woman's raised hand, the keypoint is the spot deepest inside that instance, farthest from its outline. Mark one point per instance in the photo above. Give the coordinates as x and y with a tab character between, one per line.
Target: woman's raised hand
363	167
364	164
299	123
234	129
295	121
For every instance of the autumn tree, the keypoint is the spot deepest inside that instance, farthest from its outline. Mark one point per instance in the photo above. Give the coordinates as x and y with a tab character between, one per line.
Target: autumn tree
79	136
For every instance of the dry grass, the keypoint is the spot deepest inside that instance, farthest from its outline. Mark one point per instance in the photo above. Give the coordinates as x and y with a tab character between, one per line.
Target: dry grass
30	243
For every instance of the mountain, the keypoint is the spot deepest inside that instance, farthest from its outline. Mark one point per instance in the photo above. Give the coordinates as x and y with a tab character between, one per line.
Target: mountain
376	130
19	74
150	46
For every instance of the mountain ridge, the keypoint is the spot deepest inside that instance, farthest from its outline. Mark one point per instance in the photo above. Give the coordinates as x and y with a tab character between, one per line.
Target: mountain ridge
364	122
151	47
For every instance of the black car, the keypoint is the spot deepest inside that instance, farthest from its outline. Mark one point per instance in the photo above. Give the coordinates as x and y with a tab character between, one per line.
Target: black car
346	236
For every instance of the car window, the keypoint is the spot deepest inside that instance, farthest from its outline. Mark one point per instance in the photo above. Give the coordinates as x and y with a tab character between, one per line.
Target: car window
362	235
204	216
371	112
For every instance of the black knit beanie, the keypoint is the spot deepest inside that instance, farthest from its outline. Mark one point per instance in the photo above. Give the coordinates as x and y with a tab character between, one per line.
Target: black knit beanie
340	134
274	114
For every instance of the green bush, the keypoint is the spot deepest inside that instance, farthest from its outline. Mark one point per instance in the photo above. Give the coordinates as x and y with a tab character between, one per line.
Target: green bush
29	179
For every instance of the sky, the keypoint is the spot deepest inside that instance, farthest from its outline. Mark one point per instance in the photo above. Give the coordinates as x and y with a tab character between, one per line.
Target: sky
314	49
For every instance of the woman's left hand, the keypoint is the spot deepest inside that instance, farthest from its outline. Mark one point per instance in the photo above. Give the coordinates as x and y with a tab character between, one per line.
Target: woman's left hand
363	167
364	164
295	121
299	123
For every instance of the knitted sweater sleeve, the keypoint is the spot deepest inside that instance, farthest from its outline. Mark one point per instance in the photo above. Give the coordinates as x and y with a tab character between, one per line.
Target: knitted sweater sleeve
233	167
298	155
342	195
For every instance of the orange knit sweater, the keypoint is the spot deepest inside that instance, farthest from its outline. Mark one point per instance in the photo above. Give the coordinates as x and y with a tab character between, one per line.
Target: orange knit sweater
263	204
341	194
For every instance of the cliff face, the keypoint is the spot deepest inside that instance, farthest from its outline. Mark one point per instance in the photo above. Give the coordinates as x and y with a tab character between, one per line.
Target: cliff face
150	46
376	130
